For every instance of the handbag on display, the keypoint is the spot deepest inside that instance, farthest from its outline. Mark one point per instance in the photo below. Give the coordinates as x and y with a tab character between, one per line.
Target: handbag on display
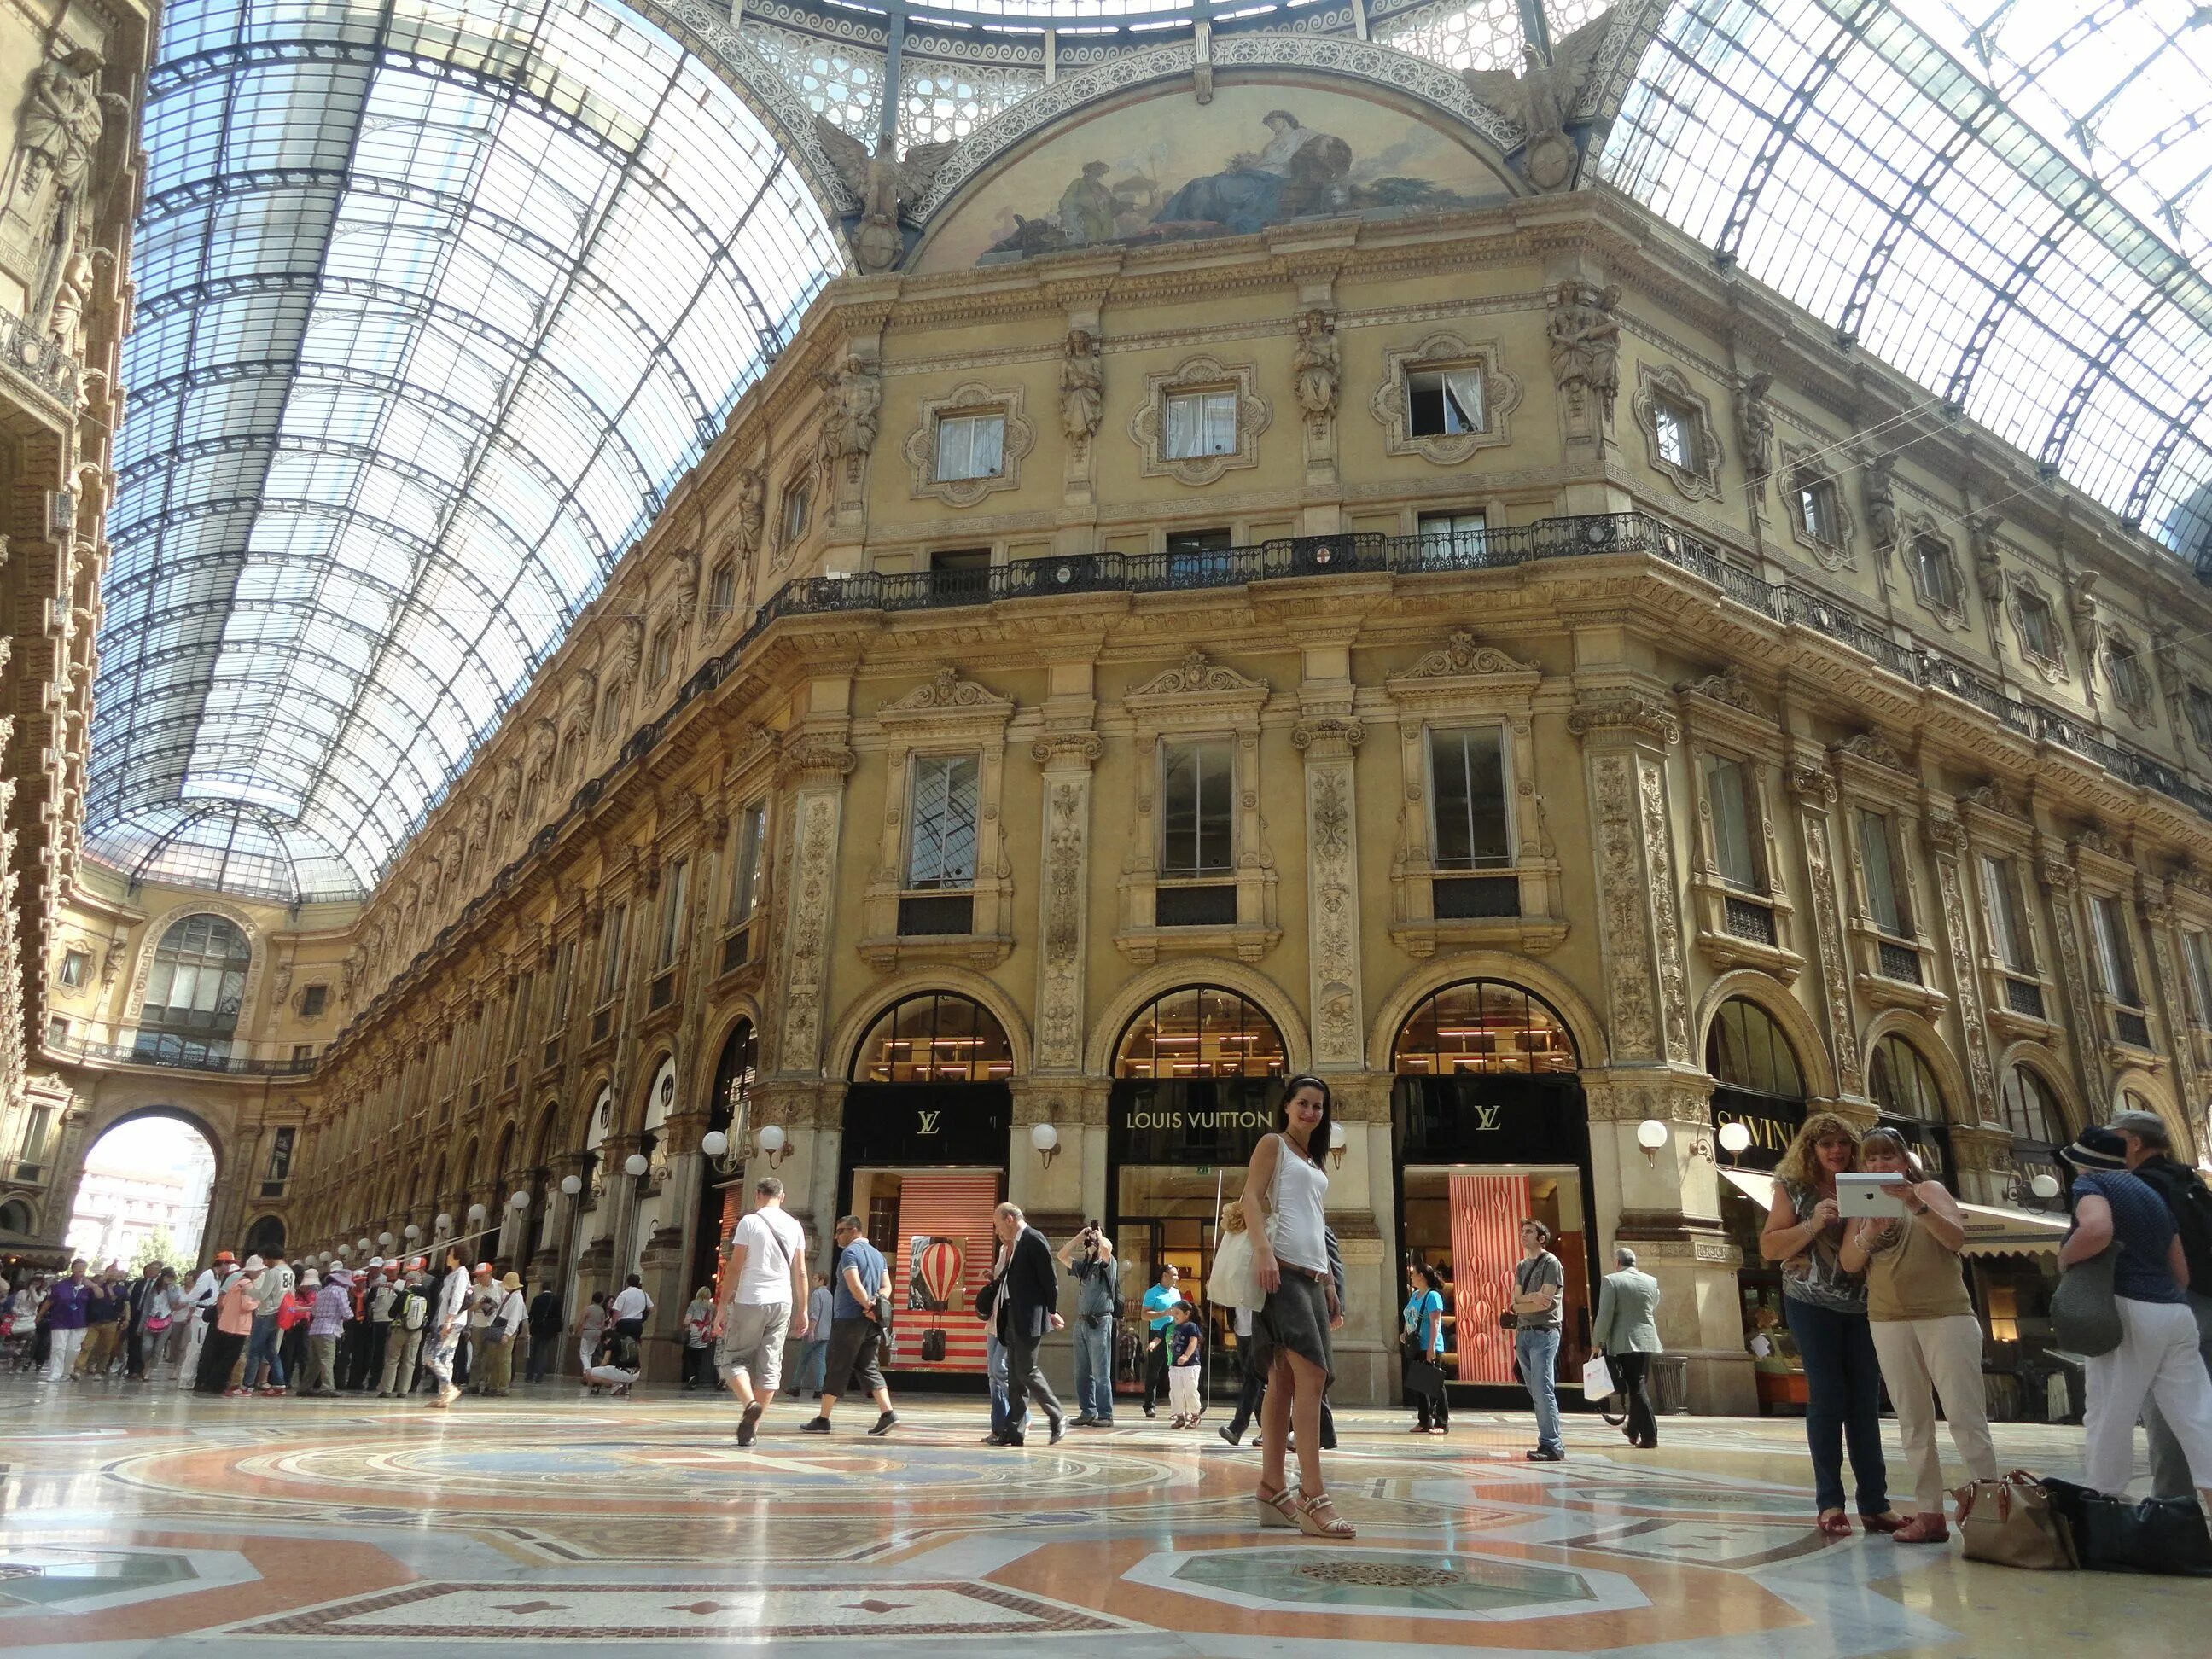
2085	1315
2164	1535
1234	1280
2014	1523
933	1345
1597	1378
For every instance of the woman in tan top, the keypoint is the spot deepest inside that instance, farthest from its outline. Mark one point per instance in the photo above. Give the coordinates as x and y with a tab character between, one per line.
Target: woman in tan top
1924	1330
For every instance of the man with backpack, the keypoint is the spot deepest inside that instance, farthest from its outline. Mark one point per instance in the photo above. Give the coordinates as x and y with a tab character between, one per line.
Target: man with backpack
2150	1159
411	1309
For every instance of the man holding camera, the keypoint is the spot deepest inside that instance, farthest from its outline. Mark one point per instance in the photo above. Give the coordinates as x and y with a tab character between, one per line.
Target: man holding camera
1089	1256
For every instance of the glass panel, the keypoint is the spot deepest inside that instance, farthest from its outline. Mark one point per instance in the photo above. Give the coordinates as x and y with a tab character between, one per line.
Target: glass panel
1902	1083
1197	817
1744	1049
611	953
1876	850
935	1037
2115	953
2007	929
2029	1111
1466	768
1674	443
1199	1031
745	868
941	846
675	910
1482	1026
1734	846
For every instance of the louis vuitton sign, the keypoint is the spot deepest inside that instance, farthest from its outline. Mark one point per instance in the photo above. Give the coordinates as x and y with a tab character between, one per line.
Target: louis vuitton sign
895	1124
1211	1121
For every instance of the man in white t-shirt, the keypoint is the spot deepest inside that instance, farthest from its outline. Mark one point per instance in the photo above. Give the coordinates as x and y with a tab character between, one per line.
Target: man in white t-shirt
763	1300
629	1308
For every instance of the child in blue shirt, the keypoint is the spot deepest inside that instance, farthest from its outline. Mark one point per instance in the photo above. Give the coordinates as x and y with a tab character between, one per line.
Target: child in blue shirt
1187	1347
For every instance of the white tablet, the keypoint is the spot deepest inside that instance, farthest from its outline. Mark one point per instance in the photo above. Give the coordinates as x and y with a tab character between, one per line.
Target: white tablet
1861	1195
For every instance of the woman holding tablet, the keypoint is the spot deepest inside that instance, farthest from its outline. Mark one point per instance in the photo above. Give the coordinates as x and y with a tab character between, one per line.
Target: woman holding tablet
1923	1327
1826	1308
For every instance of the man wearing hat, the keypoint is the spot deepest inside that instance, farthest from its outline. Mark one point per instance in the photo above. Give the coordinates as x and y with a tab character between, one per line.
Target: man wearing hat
2157	1356
333	1300
484	1302
376	1307
410	1310
2151	1160
509	1313
200	1312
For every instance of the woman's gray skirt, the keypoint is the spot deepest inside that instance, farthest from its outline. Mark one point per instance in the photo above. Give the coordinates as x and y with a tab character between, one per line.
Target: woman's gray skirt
1295	1317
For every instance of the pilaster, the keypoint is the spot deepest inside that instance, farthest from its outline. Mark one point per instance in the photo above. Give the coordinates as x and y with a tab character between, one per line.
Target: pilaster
1329	741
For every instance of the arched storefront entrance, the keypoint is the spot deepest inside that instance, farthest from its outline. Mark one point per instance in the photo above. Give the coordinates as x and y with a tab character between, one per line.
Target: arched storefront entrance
922	1162
1489	1126
1758	1083
1198	1073
1903	1086
722	1200
146	1186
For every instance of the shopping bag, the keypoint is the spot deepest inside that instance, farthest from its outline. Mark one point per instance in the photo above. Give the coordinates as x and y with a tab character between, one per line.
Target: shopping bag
1235	1281
2013	1522
1597	1378
2164	1535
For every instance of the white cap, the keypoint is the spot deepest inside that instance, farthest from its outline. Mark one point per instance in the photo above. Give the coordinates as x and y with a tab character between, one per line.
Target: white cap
254	1264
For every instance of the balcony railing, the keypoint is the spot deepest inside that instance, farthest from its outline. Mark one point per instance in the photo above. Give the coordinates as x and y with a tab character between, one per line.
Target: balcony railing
128	1045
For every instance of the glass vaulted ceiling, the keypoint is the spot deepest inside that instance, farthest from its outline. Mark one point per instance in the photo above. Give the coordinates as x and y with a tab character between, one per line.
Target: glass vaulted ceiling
435	300
2006	199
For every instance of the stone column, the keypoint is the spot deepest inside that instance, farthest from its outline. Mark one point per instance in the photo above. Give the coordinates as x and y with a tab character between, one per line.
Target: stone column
1063	910
814	766
2158	924
2086	1037
1947	845
1335	1007
1814	787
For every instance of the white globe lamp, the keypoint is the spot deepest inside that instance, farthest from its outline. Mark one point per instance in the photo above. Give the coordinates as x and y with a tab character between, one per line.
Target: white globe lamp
1734	1138
518	1200
634	1164
571	1184
714	1143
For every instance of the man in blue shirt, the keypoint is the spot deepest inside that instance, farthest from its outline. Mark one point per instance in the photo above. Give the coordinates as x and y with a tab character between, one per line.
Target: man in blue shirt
856	1331
1159	1316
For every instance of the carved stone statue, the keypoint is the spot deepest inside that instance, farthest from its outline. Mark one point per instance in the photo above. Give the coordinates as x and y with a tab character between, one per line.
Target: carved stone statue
1542	98
1316	364
885	183
752	509
1754	428
1585	340
1989	563
2081	602
1880	504
1082	387
852	395
59	133
72	294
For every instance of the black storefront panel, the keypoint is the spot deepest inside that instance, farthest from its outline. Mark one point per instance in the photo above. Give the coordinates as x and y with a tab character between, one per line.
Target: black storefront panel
1491	1118
893	1125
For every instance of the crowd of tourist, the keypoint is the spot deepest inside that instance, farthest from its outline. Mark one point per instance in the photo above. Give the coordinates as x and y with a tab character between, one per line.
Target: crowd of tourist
1876	1304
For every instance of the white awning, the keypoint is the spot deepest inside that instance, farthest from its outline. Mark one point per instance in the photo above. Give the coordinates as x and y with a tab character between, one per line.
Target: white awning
1754	1184
1994	1230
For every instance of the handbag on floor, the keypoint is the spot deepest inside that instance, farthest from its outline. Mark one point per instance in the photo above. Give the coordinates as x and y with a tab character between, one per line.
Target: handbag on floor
2085	1315
2015	1523
2165	1535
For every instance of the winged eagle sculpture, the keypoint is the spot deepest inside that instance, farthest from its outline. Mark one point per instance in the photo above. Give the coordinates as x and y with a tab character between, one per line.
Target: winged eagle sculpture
885	183
1543	96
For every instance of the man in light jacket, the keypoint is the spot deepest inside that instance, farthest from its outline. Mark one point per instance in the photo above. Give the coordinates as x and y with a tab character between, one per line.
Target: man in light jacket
1626	1333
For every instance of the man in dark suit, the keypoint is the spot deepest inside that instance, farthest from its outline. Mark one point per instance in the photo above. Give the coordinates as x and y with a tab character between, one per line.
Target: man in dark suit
1024	1304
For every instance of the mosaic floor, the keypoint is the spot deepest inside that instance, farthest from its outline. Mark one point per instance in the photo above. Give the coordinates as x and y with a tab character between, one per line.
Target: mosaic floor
146	1522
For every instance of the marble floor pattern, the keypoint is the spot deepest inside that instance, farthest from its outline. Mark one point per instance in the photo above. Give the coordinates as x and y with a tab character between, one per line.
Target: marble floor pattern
139	1521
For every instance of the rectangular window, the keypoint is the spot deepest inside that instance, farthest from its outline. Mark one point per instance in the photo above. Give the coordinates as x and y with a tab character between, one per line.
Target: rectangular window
1736	829
610	949
314	1000
1200	423
1453	539
1466	795
76	965
1677	433
303	1055
1198	786
969	446
942	812
2008	926
1933	569
722	591
2200	715
961	574
1817	509
663	656
2198	947
525	990
1885	889
56	1031
2129	684
564	981
750	847
2115	953
794	514
280	1155
674	911
1444	402
2039	631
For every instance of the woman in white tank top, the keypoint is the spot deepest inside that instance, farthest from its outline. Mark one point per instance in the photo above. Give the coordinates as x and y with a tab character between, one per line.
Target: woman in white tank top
1285	1192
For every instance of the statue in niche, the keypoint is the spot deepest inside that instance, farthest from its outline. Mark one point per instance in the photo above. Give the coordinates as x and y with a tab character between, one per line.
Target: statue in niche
852	395
1585	340
1543	96
886	183
1754	428
1316	364
72	294
1989	563
1082	387
1880	504
63	116
752	509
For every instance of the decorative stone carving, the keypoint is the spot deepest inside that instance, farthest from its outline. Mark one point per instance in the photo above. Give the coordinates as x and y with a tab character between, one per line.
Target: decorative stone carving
1663	389
752	510
1628	713
1314	364
1816	793
1501	396
1725	687
947	689
1584	337
1018	438
1809	473
1754	429
1988	560
814	760
58	135
1666	921
1198	674
1463	656
1943	594
2024	597
1148	426
1082	387
885	183
2082	611
1332	869
1060	927
1879	489
852	400
1622	910
1947	839
2058	875
1874	747
815	814
1542	97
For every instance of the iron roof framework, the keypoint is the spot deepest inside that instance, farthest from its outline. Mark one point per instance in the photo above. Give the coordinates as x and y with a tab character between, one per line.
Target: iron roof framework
2008	206
435	302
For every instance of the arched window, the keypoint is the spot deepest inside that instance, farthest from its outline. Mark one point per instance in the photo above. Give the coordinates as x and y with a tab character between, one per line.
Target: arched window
1196	1032
1483	1026
15	1218
1746	1050
1902	1083
735	1073
193	993
2031	1111
935	1037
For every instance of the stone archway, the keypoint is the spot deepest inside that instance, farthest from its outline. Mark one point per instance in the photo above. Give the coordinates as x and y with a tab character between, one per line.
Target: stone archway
149	1178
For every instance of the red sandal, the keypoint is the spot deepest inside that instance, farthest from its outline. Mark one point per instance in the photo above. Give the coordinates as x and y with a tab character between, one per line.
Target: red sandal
1833	1523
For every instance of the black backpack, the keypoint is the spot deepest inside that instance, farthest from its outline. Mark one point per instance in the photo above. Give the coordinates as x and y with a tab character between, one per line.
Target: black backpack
2191	1201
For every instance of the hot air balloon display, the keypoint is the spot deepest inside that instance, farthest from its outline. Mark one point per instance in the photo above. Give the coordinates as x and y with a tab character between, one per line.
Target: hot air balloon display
939	1270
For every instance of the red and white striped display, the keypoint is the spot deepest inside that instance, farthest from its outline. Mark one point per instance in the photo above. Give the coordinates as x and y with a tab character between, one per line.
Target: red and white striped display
1486	1212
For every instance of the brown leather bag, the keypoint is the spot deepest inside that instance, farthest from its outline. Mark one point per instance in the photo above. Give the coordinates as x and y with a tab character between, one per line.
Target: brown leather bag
2011	1522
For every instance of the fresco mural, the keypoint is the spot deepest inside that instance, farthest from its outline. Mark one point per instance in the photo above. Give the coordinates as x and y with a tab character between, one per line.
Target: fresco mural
1168	169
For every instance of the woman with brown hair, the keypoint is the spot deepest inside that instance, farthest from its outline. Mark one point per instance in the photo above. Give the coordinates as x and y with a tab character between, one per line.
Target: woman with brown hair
1923	1327
1825	1305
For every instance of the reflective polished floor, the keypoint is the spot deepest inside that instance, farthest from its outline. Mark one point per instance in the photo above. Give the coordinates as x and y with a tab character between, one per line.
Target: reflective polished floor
142	1521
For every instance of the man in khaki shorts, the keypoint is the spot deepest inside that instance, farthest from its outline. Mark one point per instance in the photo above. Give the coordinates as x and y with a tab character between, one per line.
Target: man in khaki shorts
763	1301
